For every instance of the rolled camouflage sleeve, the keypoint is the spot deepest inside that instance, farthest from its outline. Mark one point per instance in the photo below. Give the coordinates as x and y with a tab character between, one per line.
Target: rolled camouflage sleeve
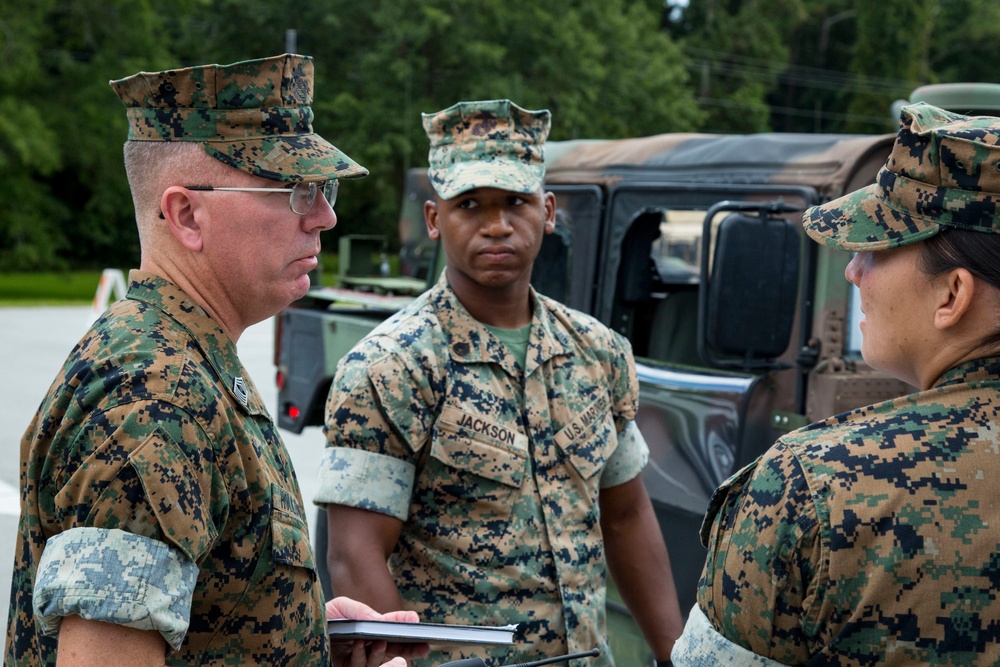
701	645
114	577
135	520
628	459
365	480
764	553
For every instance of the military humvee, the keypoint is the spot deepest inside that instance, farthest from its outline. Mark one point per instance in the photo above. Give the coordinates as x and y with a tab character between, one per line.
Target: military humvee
690	246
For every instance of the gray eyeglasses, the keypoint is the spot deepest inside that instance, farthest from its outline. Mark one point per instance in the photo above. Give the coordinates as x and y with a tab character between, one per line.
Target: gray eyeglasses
301	196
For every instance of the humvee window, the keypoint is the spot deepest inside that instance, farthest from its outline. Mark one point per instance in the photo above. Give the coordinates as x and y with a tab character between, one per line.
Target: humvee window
677	253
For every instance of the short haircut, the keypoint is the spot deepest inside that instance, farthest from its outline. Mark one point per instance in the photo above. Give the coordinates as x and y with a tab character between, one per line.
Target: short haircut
153	166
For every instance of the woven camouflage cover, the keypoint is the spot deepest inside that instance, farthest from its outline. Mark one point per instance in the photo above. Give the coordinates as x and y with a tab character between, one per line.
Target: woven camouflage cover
486	144
944	170
253	115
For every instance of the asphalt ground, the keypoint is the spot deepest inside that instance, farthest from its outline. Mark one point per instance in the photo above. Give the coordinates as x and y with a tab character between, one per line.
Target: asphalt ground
34	343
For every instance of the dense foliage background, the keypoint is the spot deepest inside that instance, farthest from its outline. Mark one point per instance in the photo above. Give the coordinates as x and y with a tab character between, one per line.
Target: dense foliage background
606	68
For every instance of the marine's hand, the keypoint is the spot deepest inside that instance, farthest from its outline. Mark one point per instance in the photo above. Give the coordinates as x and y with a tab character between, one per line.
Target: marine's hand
343	607
357	653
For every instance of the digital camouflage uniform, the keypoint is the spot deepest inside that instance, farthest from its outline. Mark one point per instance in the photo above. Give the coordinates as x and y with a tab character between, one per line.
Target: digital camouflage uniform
494	469
869	538
866	539
158	487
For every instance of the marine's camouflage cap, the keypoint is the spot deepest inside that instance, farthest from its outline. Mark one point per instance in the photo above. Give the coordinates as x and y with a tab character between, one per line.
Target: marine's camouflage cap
944	170
486	144
252	115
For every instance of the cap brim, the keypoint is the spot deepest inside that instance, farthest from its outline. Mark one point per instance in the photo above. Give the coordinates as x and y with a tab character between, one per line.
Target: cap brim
510	175
864	221
304	157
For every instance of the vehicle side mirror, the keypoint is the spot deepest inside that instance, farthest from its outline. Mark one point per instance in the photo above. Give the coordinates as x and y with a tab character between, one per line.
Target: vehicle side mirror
749	293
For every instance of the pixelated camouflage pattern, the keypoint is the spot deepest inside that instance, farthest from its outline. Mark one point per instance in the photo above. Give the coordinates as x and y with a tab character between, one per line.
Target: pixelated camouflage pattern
491	143
142	432
387	481
944	169
870	537
252	115
503	513
621	469
115	577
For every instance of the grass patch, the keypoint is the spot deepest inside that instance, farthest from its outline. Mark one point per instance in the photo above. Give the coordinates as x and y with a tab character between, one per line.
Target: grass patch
74	288
48	289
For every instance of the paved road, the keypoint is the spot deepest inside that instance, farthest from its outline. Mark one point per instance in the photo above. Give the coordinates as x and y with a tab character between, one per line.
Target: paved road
34	343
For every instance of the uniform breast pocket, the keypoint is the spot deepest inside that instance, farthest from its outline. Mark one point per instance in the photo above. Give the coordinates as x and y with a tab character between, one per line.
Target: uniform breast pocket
289	532
470	484
589	440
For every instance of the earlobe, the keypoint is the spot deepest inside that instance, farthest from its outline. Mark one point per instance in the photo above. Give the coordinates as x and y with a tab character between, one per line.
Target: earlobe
957	289
180	213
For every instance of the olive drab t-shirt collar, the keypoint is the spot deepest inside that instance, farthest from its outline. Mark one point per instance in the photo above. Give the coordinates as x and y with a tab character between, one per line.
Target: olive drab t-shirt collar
470	342
218	346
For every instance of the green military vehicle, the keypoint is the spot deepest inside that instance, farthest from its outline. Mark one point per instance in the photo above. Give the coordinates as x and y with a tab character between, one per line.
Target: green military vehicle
690	246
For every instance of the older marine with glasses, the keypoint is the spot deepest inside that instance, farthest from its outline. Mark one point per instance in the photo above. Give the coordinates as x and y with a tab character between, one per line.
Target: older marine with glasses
301	196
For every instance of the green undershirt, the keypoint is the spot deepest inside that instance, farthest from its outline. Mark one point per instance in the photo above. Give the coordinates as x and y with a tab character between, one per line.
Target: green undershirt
515	340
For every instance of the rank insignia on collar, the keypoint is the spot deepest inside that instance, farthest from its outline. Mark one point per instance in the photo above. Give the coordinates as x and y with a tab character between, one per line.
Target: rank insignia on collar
240	389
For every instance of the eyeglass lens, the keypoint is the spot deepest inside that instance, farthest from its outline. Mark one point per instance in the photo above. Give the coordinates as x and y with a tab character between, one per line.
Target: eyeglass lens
330	189
304	195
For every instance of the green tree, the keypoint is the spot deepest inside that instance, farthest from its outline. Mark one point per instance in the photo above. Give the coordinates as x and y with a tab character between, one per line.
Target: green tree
852	59
604	68
888	62
962	42
738	50
61	173
28	145
814	88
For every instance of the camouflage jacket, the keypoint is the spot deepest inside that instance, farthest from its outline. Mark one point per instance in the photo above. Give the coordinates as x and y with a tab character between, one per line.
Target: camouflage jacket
494	469
867	538
156	493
